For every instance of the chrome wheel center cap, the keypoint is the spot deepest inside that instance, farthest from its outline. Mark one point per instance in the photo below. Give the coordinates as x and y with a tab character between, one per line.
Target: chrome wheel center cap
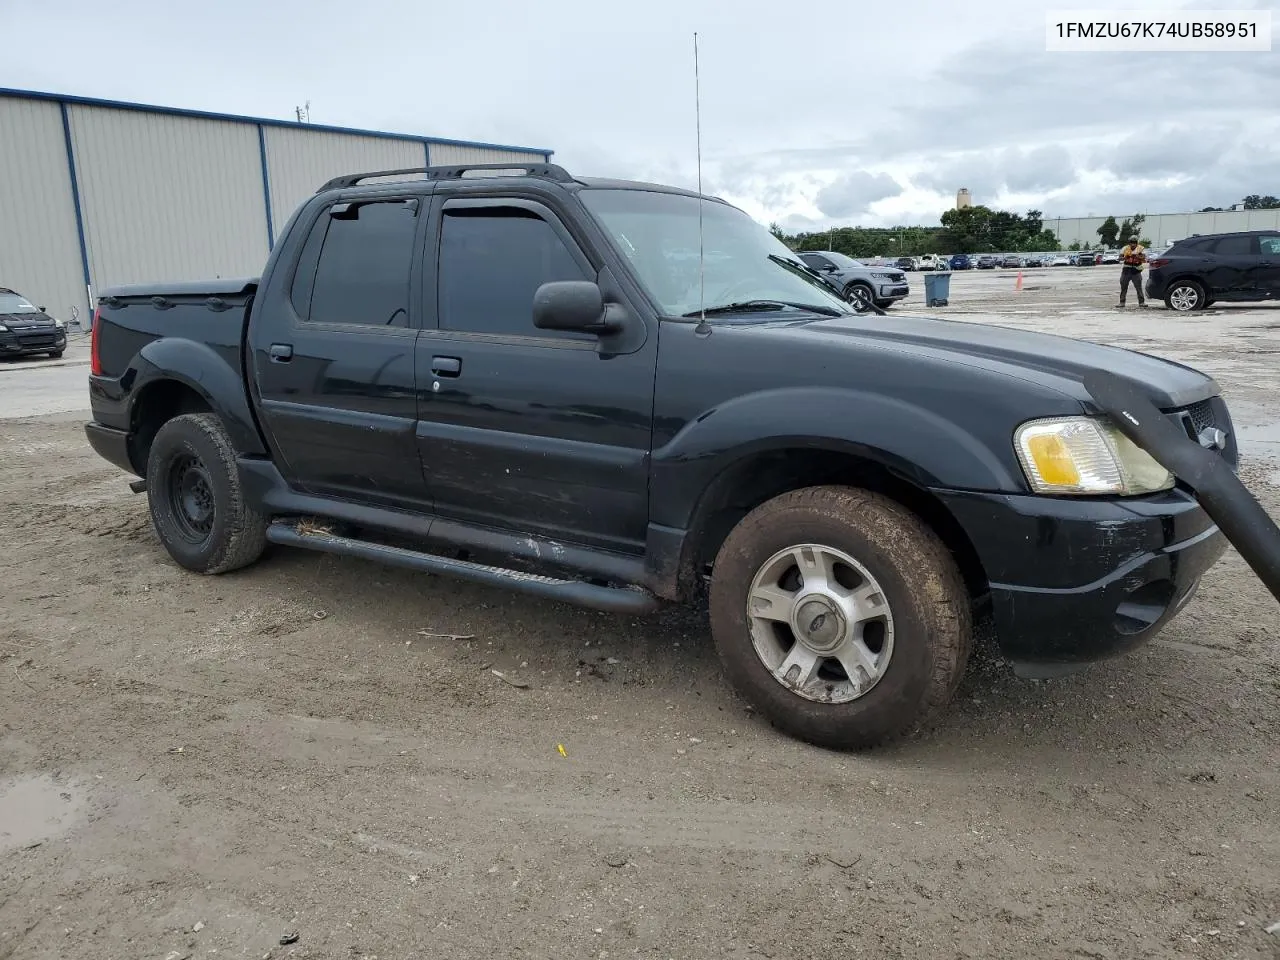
819	624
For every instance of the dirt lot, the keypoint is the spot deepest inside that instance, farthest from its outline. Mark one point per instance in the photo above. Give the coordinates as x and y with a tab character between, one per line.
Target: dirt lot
194	767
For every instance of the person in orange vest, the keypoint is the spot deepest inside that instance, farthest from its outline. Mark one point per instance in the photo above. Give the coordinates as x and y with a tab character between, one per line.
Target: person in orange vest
1134	258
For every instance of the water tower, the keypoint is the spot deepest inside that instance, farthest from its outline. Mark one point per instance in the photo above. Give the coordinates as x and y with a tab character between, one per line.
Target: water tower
963	198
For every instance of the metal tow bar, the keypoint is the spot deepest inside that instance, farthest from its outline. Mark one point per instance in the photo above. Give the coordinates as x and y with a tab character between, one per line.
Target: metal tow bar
1215	485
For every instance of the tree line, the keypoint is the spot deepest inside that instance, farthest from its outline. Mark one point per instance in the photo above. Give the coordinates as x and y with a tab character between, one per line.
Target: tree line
977	229
966	230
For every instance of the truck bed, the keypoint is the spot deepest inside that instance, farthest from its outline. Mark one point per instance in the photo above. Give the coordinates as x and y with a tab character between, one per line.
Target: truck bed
212	312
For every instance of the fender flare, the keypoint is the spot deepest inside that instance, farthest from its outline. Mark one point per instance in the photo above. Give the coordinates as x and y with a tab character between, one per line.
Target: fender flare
920	446
205	371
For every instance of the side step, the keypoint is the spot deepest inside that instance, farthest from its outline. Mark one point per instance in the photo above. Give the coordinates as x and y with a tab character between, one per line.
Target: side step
609	599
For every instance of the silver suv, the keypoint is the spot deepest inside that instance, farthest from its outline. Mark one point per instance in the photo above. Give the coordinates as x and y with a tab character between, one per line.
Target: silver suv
861	284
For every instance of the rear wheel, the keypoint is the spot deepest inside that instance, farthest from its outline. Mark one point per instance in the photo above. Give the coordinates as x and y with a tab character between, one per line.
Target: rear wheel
840	615
1184	296
196	502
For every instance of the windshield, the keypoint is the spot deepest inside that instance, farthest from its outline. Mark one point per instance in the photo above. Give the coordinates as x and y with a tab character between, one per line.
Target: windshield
12	303
840	260
743	262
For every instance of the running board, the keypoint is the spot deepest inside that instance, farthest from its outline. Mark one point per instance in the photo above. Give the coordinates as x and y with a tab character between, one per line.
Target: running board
609	599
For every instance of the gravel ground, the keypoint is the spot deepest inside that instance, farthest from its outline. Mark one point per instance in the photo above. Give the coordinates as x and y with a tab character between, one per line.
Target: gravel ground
199	767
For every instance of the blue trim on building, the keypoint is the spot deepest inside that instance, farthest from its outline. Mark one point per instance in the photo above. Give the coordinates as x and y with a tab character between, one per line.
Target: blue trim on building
65	99
75	201
266	186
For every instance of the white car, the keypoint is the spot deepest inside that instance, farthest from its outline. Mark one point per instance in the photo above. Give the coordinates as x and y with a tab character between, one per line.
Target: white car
1061	260
931	261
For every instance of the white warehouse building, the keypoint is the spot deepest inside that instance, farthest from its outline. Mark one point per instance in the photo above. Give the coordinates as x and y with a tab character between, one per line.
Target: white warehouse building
96	193
1162	229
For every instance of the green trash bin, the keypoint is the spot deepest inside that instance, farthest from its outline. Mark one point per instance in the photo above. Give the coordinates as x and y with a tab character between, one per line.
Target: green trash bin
937	286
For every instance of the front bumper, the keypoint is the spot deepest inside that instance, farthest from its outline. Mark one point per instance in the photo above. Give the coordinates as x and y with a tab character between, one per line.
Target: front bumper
1073	581
17	343
893	291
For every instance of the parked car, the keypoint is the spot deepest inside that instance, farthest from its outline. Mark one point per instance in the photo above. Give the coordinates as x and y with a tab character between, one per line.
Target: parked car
1086	259
987	262
26	329
1229	267
608	428
931	261
1033	260
1109	257
1011	262
1061	260
856	281
905	263
961	261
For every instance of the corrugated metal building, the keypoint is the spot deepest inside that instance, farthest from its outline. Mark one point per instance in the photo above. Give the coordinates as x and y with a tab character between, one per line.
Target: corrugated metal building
96	193
1163	229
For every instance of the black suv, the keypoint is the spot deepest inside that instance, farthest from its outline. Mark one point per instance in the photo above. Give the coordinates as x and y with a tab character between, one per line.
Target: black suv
1233	267
26	328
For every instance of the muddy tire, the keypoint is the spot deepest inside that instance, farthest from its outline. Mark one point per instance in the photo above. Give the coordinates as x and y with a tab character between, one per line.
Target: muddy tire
197	505
840	616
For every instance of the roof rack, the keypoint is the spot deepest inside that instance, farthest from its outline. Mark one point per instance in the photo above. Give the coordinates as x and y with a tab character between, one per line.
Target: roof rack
549	171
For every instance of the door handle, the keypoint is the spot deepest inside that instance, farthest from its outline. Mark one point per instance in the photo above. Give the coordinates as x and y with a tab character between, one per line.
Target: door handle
446	366
281	352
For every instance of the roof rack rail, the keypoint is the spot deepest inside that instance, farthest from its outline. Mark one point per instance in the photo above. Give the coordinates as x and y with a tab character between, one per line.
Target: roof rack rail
549	171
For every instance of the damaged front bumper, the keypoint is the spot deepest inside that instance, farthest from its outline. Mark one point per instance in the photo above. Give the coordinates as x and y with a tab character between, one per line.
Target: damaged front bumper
1078	580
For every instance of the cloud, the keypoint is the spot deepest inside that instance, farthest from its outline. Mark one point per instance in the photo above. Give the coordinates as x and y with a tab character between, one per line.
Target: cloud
1039	170
853	193
1171	150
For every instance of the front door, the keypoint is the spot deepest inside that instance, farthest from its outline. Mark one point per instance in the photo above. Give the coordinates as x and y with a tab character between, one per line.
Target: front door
1269	265
334	359
533	431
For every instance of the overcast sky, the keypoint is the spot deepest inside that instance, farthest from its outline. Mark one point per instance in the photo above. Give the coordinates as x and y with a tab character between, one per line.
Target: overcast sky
867	113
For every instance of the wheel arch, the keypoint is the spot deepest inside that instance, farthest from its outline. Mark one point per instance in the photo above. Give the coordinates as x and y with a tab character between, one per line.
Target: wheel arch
758	476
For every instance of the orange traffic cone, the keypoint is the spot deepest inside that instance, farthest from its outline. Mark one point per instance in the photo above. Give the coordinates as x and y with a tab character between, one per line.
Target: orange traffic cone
1018	286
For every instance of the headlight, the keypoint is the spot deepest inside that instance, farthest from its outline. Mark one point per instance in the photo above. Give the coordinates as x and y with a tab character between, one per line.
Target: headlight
3	328
1086	456
59	324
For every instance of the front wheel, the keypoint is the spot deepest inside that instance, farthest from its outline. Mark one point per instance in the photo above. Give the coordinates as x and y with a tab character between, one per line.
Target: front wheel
860	295
56	354
197	505
1185	296
840	615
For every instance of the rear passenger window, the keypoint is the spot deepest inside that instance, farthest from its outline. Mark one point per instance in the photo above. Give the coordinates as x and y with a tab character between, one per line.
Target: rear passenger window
1234	247
361	270
492	261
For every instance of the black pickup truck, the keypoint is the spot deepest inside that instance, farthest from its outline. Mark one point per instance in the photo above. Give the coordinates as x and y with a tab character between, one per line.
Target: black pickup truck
621	394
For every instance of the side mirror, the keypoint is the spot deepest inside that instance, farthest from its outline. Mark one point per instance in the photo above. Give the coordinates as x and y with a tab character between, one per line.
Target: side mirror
42	309
574	305
831	268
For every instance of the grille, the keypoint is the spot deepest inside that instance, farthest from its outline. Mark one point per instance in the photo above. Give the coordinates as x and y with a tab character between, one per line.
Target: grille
1201	415
38	340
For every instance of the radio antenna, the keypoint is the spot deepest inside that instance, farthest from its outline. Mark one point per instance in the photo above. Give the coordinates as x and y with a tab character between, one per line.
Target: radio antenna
702	262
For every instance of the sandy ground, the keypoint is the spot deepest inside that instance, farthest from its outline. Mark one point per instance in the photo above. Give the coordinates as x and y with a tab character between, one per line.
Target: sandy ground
197	767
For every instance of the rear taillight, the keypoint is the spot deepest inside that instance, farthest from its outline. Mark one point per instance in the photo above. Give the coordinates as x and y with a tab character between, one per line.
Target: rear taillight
1161	262
95	360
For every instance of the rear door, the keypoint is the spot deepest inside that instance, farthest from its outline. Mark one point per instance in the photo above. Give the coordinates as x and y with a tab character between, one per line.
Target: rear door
1269	265
1233	267
333	357
528	430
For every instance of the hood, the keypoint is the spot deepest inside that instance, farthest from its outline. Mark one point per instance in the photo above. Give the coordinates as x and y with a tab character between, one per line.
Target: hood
21	321
1054	361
